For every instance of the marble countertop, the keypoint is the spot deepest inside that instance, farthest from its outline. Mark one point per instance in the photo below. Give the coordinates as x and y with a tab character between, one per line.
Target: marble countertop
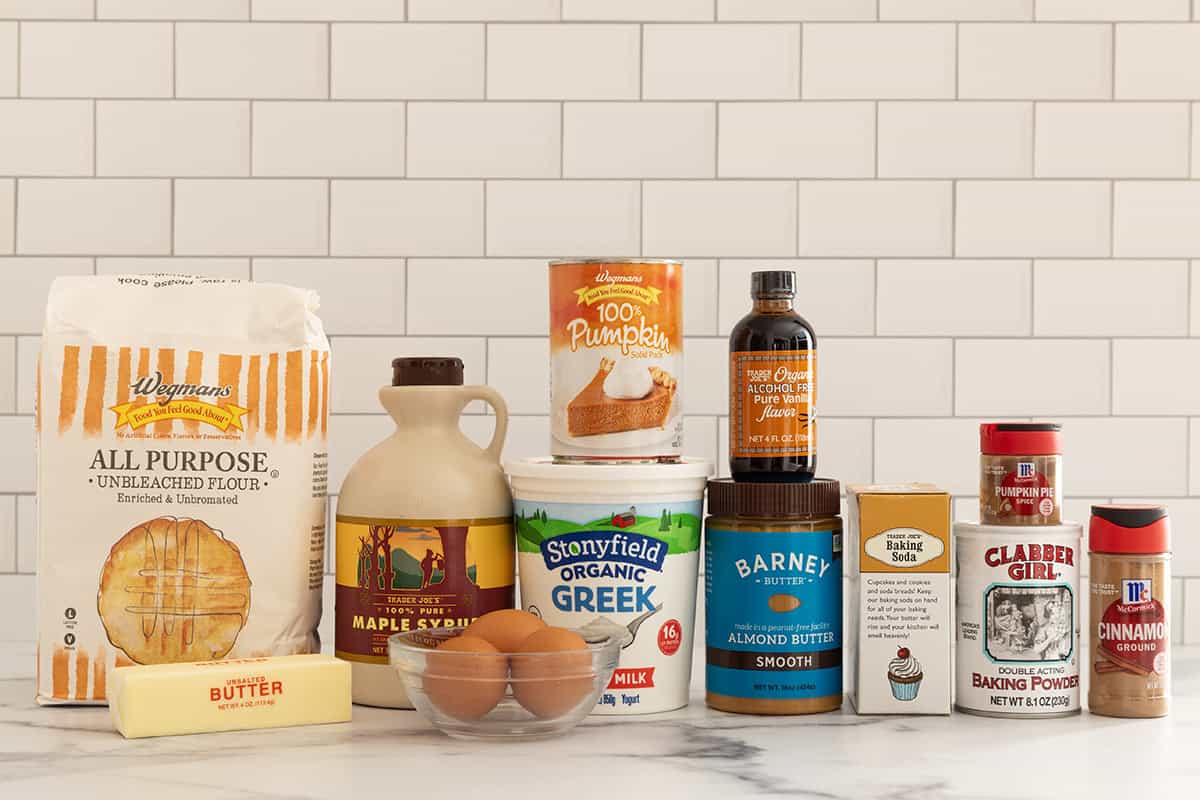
695	753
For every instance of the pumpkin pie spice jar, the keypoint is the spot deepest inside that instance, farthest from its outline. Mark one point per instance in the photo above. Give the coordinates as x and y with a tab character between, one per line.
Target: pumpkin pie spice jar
616	360
1020	477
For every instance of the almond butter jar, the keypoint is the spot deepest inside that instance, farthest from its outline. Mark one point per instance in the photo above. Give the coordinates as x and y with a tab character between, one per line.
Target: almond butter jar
1020	479
773	597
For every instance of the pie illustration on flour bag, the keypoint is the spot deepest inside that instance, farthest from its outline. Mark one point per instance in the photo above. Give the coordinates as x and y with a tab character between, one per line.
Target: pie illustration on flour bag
181	426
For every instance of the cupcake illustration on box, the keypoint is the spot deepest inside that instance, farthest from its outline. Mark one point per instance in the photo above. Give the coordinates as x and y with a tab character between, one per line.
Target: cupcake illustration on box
904	674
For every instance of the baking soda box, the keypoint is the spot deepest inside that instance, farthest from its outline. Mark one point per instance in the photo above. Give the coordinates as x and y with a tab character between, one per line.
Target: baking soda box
899	634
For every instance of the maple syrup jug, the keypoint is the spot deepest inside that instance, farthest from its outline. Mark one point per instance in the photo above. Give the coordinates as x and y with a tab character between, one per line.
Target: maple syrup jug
424	525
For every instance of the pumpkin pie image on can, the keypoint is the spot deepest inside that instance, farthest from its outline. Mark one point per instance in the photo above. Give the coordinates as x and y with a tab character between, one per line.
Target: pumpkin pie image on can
616	360
174	589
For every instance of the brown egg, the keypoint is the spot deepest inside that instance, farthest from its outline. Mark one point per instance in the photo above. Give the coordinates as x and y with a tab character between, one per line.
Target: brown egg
549	686
466	677
506	629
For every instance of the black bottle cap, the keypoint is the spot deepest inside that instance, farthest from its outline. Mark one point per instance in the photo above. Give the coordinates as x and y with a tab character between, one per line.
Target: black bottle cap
427	371
776	283
1130	516
821	496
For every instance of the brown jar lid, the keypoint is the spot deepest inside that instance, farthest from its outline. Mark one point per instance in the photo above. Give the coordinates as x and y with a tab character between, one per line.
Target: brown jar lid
819	497
427	371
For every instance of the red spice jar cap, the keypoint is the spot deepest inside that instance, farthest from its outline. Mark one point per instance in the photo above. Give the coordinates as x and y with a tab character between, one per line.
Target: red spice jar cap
1020	438
1130	529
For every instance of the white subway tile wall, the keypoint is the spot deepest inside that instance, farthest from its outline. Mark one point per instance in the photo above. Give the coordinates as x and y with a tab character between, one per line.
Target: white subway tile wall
993	206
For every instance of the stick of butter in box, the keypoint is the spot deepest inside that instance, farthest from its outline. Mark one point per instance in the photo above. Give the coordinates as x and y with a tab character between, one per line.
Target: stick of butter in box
233	695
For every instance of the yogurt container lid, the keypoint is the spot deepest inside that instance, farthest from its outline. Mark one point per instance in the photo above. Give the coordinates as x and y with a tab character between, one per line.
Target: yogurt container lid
544	467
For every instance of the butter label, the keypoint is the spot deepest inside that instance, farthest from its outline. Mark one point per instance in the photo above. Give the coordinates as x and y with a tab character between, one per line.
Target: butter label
236	694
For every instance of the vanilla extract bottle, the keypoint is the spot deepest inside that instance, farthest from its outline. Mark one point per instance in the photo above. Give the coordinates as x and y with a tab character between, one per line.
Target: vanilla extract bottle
772	387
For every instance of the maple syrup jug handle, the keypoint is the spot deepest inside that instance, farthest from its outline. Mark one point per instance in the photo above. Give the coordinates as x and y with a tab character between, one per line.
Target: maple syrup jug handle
493	398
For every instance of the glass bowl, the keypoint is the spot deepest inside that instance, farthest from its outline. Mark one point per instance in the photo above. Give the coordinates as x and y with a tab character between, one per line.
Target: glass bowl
507	696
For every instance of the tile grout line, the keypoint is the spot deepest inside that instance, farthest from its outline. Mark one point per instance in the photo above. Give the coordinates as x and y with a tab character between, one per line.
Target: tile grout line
957	59
1032	298
1112	219
395	98
875	289
953	377
876	176
641	61
1112	378
642	218
1112	66
1033	122
16	373
800	65
954	218
1191	140
1190	266
873	449
716	140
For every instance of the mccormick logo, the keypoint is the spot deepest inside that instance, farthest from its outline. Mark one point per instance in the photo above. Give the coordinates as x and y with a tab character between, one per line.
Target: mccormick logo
610	546
167	405
1025	469
1135	592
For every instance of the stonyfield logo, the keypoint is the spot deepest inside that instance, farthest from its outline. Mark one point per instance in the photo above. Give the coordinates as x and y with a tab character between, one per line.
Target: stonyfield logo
153	386
583	546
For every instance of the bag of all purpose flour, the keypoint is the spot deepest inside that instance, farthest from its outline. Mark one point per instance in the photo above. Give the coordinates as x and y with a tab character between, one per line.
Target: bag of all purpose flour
181	426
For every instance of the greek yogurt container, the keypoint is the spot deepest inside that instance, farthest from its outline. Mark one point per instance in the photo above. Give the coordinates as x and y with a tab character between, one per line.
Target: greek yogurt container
615	550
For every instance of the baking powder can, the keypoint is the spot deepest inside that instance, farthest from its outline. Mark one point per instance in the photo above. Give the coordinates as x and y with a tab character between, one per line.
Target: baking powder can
1017	634
616	360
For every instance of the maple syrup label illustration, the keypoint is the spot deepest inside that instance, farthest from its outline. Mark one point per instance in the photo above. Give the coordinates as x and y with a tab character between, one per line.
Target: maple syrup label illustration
398	575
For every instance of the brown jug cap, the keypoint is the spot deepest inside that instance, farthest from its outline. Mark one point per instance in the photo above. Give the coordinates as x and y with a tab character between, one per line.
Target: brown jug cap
819	497
427	371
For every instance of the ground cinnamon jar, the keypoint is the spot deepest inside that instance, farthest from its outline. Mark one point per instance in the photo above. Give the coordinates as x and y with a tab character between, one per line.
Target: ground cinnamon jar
1020	473
1130	559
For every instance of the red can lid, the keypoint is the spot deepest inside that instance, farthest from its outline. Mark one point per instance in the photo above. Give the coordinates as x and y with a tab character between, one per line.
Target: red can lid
1132	529
1020	438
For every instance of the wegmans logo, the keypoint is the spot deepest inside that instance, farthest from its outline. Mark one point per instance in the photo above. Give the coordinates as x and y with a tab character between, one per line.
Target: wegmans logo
177	401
